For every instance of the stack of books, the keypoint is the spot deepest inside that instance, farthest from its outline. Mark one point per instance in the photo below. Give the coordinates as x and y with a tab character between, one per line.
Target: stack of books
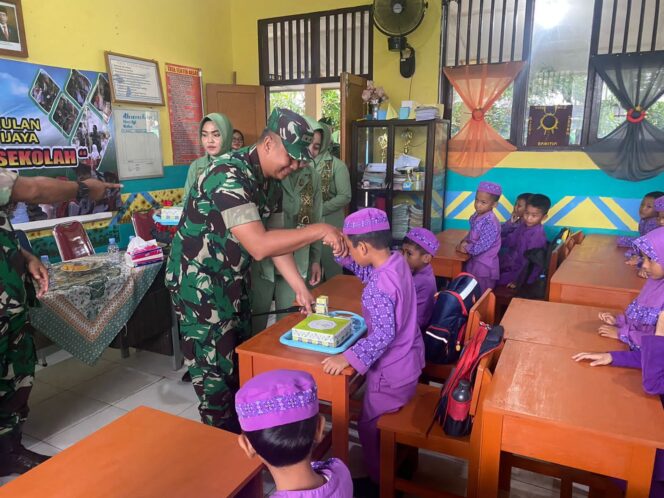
426	112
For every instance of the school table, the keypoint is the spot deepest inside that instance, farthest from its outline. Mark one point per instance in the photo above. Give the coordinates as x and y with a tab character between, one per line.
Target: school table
598	248
448	262
542	404
144	454
569	326
610	283
264	352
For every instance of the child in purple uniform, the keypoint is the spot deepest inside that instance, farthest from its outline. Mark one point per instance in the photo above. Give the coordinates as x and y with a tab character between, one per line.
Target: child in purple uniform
419	246
659	207
517	215
641	315
392	353
278	413
648	221
650	359
483	239
528	235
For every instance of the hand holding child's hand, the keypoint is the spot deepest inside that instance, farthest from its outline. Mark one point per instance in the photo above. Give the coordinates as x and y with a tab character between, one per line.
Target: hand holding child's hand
610	331
595	359
334	365
607	318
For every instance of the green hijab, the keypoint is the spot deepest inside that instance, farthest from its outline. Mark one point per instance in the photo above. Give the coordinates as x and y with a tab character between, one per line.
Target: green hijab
225	128
326	140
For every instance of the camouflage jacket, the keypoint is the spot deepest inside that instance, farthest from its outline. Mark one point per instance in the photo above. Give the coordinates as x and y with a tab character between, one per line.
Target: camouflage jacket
231	192
13	295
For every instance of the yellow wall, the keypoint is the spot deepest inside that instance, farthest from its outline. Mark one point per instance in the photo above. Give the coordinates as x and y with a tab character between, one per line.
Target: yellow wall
426	41
75	33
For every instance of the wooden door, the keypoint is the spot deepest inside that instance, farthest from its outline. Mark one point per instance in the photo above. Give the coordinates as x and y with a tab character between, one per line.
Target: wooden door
352	109
243	104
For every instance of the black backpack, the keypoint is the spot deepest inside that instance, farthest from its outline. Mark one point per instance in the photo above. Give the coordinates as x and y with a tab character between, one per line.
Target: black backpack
539	258
452	415
444	337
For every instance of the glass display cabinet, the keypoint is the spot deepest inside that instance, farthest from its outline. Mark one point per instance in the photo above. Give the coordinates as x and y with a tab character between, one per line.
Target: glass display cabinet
399	166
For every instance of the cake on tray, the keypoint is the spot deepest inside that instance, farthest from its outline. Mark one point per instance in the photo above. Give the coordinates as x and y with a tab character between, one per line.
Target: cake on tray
323	330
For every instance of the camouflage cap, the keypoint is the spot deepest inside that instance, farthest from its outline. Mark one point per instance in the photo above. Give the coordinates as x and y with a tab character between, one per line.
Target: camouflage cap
295	132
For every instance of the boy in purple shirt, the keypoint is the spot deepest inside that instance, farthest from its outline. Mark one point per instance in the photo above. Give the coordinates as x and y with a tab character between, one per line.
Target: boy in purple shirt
278	413
659	207
419	246
648	221
483	239
650	359
528	235
517	215
392	354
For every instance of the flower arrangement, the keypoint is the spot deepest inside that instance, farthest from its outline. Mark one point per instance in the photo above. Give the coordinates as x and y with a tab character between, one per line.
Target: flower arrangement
374	94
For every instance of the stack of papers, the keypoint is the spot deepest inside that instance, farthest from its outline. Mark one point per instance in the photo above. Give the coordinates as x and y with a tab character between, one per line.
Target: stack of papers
374	175
424	113
416	218
400	215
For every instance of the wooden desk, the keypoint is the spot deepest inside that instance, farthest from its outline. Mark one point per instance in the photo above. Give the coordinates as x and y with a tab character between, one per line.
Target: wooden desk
570	326
610	285
598	248
543	405
264	352
448	262
145	454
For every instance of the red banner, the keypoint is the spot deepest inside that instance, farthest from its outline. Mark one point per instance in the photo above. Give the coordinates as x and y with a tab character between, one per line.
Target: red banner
185	109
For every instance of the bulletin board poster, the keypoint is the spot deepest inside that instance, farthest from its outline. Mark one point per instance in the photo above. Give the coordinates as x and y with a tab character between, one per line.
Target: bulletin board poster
56	122
185	110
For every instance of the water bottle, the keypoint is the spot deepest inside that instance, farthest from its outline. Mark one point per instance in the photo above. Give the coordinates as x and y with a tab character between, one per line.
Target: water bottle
462	392
49	268
113	251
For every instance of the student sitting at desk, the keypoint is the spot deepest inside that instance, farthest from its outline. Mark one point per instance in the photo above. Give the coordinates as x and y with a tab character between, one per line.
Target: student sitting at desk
659	207
641	315
419	246
647	222
650	359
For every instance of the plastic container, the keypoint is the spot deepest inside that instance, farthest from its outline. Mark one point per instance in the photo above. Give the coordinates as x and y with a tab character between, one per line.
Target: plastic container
113	251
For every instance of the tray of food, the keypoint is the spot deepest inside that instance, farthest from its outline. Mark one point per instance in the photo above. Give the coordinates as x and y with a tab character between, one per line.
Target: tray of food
79	267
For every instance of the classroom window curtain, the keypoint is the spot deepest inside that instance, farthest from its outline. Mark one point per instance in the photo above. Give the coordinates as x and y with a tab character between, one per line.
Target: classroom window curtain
635	149
478	147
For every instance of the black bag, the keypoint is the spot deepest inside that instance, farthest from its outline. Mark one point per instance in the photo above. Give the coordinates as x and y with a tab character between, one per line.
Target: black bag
452	415
539	258
444	337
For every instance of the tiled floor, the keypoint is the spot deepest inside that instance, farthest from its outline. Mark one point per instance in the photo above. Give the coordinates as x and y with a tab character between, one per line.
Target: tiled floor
70	400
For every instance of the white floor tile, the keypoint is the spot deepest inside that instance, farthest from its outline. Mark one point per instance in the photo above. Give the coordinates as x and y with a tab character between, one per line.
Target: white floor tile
115	384
44	449
71	372
114	355
42	391
71	435
28	441
166	395
153	363
191	413
60	412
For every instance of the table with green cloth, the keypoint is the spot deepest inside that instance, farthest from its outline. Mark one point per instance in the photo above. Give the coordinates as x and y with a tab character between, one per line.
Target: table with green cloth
83	311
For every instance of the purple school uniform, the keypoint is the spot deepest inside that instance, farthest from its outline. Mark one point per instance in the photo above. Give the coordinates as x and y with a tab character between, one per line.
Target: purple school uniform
483	246
645	226
508	227
425	288
392	354
650	359
640	317
512	258
339	483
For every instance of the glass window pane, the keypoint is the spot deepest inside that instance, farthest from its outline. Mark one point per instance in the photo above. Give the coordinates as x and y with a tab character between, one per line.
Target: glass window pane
289	99
559	59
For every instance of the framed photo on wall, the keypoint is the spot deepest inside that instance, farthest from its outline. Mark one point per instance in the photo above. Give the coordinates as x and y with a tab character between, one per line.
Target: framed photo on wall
134	80
12	32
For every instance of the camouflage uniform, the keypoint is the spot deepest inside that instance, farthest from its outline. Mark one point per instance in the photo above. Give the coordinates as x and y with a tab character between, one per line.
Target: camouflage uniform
17	349
208	270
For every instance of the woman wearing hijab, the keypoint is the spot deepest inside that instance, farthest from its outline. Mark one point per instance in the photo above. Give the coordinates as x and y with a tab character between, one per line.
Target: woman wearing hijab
216	132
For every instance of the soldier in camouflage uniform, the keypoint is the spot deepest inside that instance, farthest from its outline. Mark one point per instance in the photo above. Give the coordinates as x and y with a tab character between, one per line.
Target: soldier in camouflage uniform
220	232
18	268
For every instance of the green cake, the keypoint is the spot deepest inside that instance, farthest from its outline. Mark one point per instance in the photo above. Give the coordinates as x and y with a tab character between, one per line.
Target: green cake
323	330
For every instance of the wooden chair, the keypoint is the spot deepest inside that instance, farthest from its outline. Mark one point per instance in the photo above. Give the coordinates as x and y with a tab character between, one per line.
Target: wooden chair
408	428
143	224
72	241
578	237
482	311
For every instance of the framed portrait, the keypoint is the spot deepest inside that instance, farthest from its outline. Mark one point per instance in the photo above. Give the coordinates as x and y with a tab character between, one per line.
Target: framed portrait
12	32
134	80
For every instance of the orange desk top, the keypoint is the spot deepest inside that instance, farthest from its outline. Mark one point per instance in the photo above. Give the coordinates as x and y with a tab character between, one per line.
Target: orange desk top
449	240
542	382
144	454
569	326
616	275
598	248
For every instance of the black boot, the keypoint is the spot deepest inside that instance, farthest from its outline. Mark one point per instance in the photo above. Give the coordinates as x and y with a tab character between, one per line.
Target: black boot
16	458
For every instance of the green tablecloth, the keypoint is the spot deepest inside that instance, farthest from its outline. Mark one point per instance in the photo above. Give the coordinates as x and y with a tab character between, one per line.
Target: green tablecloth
83	312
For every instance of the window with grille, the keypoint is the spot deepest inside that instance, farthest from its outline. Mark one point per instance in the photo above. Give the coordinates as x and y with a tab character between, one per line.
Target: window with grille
316	47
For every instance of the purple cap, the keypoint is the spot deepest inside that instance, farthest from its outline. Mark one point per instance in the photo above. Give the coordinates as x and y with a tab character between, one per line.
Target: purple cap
490	187
365	221
659	204
275	398
425	239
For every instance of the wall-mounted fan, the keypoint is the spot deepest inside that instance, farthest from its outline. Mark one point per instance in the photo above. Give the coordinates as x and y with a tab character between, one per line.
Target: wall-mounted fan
398	18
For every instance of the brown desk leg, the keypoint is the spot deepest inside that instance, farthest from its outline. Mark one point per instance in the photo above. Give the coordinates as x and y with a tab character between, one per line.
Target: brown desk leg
489	464
640	472
246	362
253	489
555	292
388	450
340	417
